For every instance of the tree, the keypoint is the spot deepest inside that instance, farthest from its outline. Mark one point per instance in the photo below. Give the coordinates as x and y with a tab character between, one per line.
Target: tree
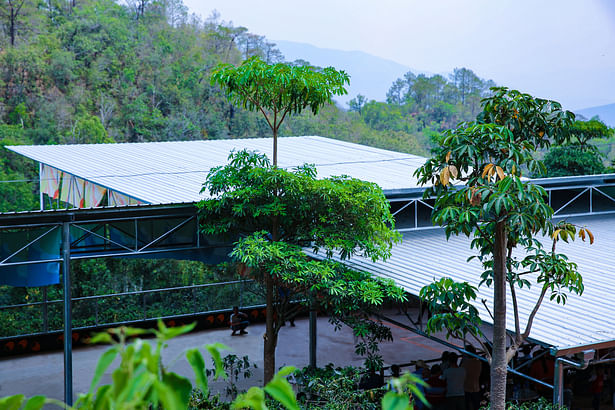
11	11
565	160
502	212
577	156
277	90
280	210
357	103
396	93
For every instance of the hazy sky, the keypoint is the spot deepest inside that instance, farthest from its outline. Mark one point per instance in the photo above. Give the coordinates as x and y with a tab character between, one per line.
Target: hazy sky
557	49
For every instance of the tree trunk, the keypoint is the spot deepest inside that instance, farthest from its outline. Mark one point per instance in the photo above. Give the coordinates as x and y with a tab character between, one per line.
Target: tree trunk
498	357
12	29
271	337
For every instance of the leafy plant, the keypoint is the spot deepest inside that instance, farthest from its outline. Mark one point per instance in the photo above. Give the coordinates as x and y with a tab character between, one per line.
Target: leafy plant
236	368
279	211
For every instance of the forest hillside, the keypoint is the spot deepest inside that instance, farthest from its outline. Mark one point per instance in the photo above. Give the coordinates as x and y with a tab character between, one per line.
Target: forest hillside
101	71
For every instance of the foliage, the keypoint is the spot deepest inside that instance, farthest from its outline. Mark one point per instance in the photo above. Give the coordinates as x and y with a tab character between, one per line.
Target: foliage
141	381
581	132
336	214
577	155
235	367
278	90
540	404
348	296
335	388
501	212
565	160
111	276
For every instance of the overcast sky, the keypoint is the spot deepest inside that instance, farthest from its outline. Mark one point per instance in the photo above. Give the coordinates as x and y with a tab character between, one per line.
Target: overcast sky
557	49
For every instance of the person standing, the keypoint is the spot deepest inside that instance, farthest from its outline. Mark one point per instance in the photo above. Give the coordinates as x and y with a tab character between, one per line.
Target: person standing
471	385
455	378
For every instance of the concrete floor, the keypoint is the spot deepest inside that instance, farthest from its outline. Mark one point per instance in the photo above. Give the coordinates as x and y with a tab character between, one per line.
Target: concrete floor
43	373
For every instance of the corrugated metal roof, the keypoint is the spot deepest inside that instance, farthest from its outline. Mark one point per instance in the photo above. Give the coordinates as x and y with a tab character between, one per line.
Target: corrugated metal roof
583	321
172	172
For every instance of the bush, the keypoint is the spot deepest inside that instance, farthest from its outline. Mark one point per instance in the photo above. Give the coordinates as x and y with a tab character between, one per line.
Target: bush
566	160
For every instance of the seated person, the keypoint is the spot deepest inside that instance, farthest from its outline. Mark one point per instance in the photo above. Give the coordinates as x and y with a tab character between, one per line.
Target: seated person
239	322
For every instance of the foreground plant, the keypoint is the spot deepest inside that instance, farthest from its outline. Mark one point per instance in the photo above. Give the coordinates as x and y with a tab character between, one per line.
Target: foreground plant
142	382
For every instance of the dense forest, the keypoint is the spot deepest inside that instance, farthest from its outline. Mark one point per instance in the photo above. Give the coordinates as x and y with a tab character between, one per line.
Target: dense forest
104	71
96	71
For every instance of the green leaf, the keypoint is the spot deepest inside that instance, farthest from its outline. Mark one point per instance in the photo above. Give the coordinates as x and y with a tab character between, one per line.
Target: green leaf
395	401
195	358
103	363
214	351
12	402
174	391
35	403
280	389
254	398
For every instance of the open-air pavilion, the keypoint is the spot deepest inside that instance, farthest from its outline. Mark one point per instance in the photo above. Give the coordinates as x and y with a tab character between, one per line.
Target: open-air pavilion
147	191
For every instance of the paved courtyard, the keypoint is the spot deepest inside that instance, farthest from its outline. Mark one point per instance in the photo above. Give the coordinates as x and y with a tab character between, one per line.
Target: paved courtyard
43	373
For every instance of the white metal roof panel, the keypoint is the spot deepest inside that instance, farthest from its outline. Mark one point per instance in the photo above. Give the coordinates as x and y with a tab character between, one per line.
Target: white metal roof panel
583	321
173	172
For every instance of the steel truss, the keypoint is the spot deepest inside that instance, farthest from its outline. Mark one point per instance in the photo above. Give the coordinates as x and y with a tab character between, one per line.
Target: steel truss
141	231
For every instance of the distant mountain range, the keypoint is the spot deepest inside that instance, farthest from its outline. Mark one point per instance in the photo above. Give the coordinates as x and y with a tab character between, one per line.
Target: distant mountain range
605	112
370	76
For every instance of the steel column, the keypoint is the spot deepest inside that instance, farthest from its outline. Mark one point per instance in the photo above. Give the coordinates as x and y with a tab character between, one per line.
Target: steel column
558	377
40	187
68	332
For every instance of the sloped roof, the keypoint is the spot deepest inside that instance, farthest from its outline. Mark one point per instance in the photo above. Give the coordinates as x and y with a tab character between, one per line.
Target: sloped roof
584	321
173	172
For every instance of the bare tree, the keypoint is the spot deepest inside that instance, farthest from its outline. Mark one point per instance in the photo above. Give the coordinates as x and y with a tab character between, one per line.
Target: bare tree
106	106
10	11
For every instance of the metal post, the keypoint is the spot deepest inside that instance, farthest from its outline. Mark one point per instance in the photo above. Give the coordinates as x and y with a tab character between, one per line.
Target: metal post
96	312
45	311
558	383
558	377
241	285
40	187
68	331
313	334
591	200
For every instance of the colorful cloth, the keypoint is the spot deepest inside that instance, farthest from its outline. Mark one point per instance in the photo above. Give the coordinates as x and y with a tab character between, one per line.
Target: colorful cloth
50	181
116	199
72	190
94	194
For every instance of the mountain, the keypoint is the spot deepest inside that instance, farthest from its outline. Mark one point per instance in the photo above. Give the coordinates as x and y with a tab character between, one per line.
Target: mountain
605	112
370	76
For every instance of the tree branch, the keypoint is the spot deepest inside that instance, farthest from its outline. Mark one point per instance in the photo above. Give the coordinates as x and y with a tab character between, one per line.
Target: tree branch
530	319
483	346
513	295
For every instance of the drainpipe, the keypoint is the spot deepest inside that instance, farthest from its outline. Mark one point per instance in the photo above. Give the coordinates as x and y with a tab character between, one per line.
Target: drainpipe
560	364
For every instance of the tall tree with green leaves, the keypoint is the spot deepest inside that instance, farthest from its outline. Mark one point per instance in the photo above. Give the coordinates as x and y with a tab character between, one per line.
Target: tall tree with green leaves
279	211
277	91
501	212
